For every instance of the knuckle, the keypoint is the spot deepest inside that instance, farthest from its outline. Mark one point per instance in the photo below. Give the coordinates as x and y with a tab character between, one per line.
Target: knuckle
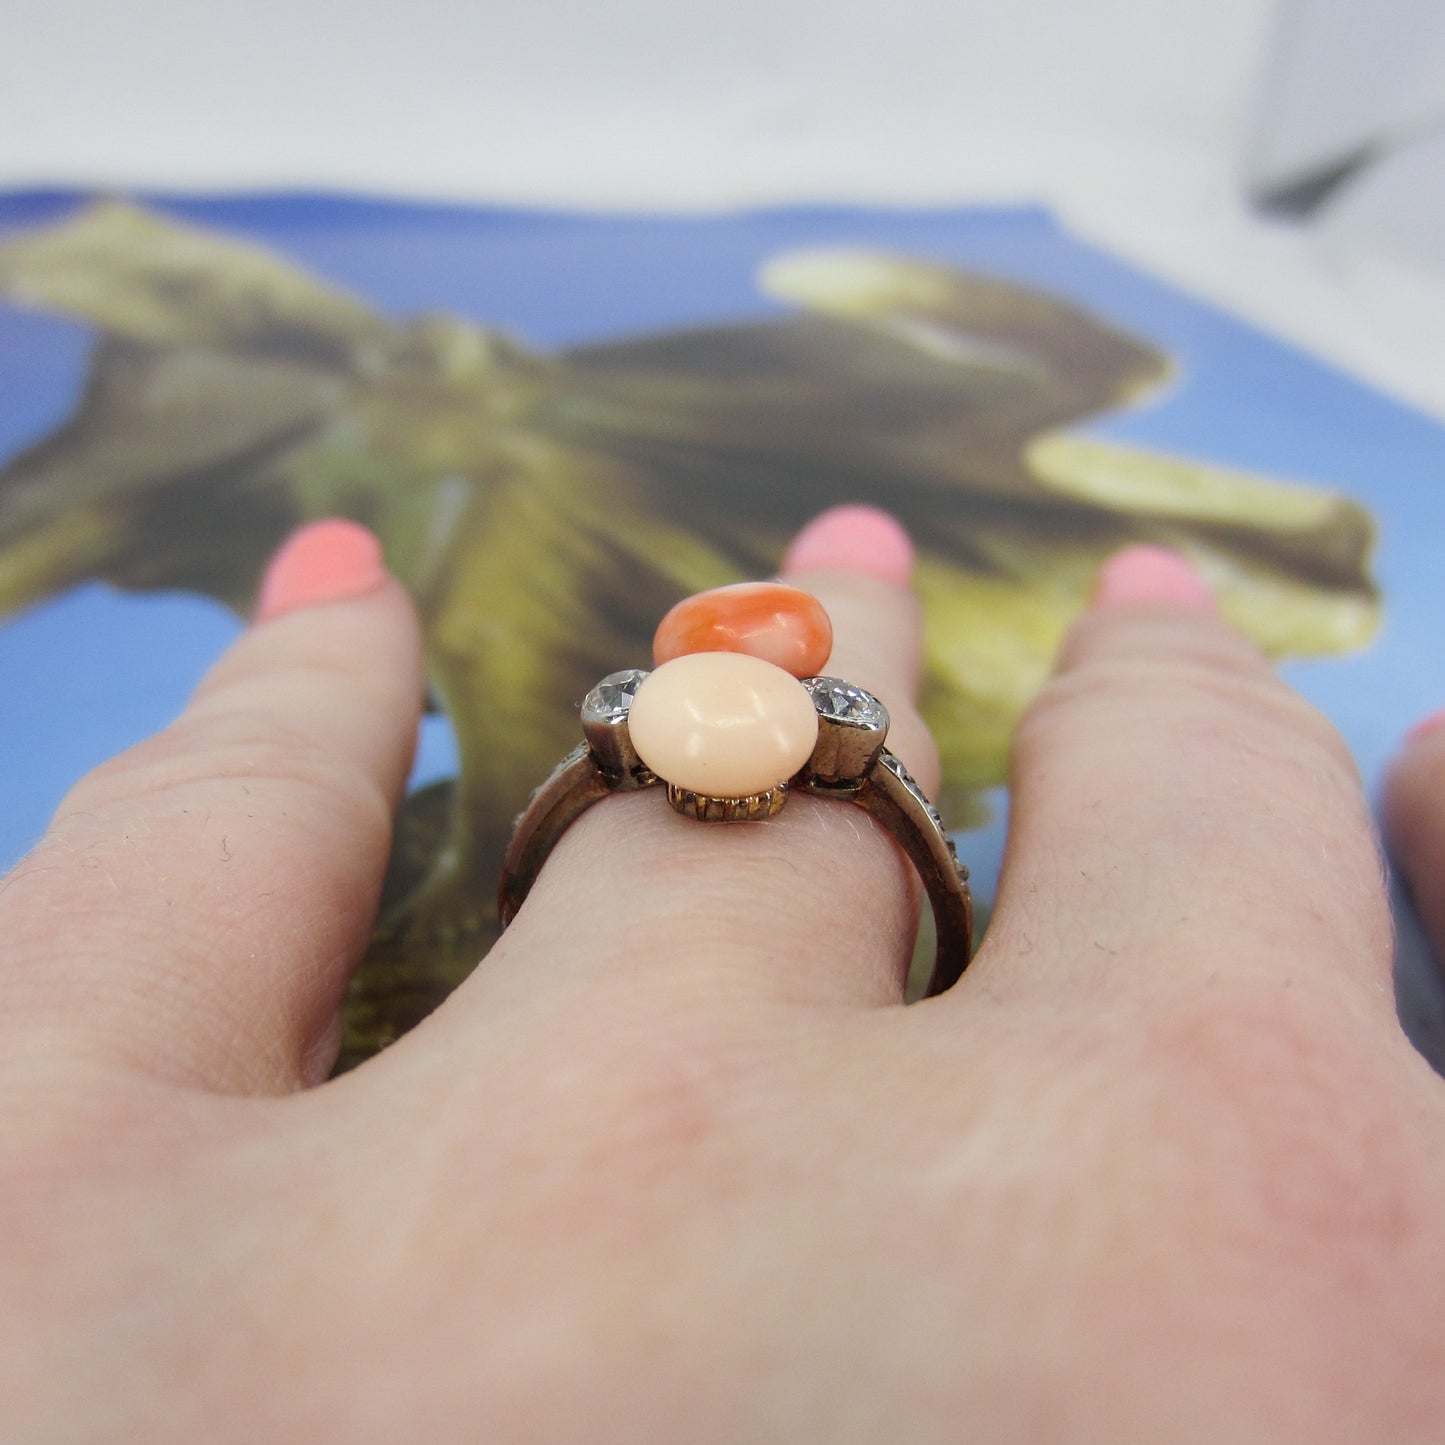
1294	1120
656	1087
678	1094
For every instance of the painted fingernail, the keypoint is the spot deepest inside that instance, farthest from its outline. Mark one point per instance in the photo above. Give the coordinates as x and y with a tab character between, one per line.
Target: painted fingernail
853	539
1434	723
1145	576
328	561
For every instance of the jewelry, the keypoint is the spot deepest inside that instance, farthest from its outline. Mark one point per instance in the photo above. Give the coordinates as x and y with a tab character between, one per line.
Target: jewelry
729	737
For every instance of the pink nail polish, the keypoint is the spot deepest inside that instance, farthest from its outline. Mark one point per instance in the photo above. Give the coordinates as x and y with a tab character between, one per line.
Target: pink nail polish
328	561
1434	723
853	539
1146	576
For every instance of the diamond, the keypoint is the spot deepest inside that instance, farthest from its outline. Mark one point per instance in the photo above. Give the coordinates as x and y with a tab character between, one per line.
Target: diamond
611	700
906	778
842	702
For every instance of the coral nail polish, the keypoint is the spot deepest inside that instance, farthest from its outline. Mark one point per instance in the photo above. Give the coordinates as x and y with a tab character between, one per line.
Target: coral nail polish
329	561
1146	576
854	539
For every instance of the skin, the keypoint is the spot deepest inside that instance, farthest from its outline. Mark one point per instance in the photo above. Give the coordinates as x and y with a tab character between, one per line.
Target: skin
1162	1166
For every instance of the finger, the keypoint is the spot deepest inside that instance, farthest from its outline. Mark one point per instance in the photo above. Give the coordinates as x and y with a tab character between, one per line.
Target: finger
198	902
1179	816
1414	816
859	563
815	904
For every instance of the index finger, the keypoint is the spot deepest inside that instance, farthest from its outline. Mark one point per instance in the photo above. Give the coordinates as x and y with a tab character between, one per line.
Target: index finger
198	903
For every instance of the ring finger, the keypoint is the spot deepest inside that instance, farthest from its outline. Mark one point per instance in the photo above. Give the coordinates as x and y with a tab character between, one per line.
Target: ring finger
815	904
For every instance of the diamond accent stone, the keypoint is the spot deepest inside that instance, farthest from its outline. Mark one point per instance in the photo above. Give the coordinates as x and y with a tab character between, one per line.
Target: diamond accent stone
906	778
842	702
611	700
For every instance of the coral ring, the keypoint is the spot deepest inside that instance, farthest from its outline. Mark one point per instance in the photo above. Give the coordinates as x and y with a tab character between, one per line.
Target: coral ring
845	759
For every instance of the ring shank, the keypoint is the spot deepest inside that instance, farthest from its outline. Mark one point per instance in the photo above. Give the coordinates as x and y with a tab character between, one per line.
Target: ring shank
575	784
890	795
886	793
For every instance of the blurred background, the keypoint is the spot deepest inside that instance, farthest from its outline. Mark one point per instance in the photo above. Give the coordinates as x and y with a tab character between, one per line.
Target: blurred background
1285	158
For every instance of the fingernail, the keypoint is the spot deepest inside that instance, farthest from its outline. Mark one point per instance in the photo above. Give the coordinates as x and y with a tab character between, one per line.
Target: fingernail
1145	576
328	561
854	539
1434	723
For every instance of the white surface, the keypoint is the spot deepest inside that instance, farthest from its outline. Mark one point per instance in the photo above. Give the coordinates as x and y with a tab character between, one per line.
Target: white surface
1343	76
1396	205
1130	119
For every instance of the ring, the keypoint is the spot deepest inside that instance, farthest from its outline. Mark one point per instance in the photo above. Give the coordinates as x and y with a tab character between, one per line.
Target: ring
728	741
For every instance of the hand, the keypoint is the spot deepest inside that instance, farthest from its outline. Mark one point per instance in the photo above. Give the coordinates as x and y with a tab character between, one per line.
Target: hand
672	1165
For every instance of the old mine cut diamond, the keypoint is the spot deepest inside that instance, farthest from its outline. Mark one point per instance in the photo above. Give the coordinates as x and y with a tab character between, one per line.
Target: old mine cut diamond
611	700
844	703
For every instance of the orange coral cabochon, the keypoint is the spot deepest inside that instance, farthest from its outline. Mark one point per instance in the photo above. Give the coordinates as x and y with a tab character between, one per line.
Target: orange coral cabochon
782	625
